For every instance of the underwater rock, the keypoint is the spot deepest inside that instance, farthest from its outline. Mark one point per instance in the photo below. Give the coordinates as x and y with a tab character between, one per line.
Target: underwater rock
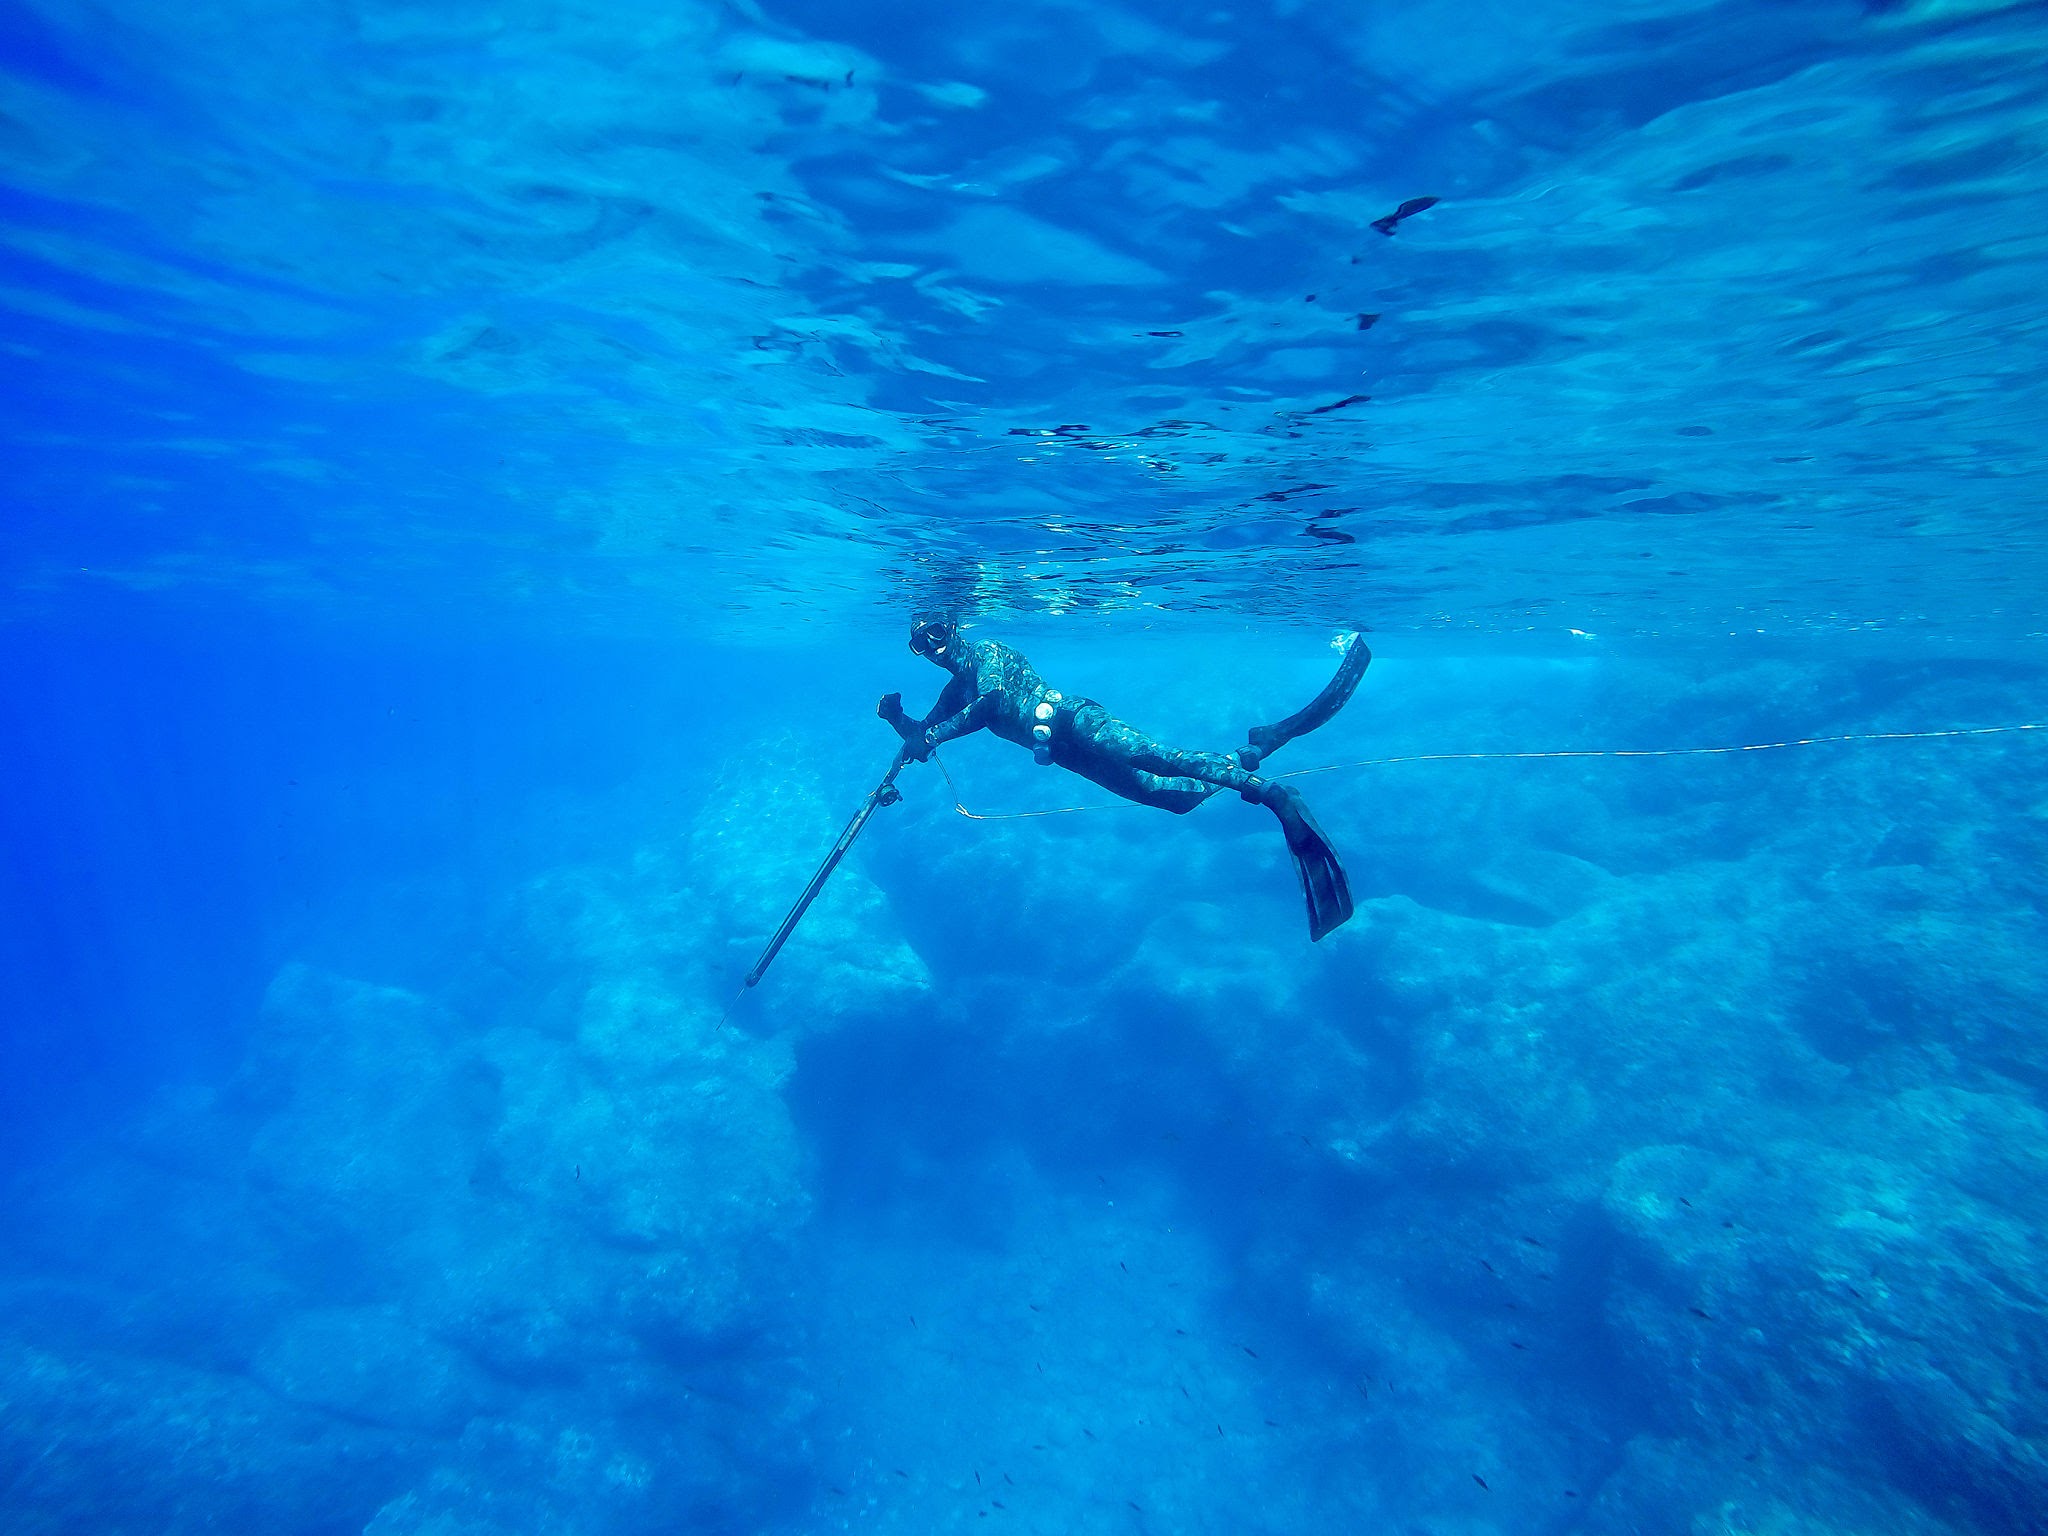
1557	1046
382	1072
1880	1272
1940	957
1659	1483
393	1221
680	1180
144	1446
369	1365
592	1473
372	1109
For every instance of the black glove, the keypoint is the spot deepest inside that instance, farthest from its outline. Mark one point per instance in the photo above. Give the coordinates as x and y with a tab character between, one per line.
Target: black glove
917	746
891	710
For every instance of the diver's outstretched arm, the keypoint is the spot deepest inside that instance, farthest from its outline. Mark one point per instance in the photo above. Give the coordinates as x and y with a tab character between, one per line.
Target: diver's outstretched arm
955	697
891	710
959	711
961	722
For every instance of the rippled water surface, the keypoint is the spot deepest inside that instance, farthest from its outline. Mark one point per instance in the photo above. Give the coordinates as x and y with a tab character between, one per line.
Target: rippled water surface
1727	317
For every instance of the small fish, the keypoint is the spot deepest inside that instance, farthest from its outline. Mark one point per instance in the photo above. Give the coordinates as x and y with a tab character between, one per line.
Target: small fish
999	1504
1034	1306
1531	1241
1571	1493
1087	1431
579	1173
1219	1431
1488	1267
1120	1264
1696	1312
1308	298
1249	1350
1272	1424
1007	1478
840	1491
1367	322
1516	1344
1182	1332
1407	210
1134	1506
901	1473
1480	1481
1685	1202
977	1478
913	1319
1726	1224
1184	1392
1338	405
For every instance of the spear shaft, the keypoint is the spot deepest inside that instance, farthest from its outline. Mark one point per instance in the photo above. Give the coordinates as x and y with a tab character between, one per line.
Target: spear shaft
884	793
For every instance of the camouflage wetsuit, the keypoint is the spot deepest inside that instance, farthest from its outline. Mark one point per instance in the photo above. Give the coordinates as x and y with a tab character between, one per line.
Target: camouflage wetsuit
994	688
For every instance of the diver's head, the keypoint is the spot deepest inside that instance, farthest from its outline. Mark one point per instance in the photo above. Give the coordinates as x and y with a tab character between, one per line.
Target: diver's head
936	641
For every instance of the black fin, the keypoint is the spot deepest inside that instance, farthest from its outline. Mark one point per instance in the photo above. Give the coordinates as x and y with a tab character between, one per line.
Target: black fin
1268	739
1323	884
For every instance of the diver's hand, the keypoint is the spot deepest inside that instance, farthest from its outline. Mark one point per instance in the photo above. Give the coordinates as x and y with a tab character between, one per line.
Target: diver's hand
917	746
891	709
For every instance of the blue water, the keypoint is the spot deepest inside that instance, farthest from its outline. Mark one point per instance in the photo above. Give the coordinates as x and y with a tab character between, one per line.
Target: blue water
468	471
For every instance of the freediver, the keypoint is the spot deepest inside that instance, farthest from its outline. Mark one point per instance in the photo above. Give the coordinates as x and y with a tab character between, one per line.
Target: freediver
994	688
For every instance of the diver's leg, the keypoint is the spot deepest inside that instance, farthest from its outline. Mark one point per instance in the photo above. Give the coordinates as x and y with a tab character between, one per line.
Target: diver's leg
1131	782
1215	769
1097	745
1093	733
1264	740
1126	761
